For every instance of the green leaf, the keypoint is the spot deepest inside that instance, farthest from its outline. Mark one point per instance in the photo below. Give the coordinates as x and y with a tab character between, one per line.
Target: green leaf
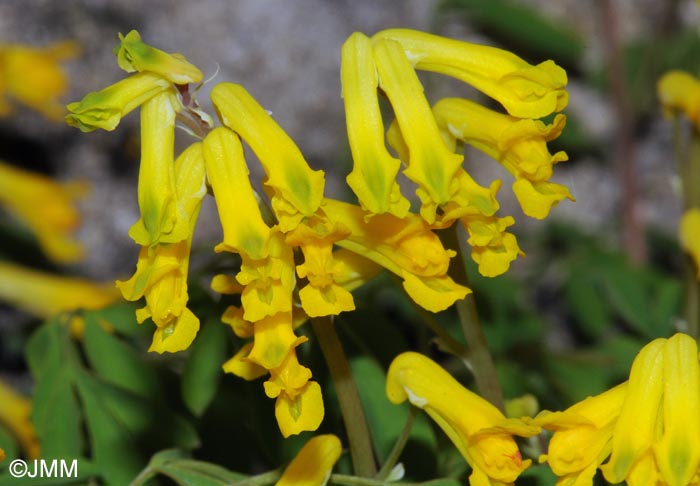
55	413
202	374
116	362
176	465
588	304
122	317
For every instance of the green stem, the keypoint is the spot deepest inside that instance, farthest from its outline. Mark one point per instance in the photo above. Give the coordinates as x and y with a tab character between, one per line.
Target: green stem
348	397
482	365
395	453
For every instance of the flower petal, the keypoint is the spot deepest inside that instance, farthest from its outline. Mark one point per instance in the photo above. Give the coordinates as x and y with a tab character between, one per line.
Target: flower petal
301	413
313	464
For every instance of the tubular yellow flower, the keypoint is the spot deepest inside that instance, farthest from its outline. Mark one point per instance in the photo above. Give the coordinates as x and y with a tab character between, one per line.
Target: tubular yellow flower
161	271
679	91
524	90
135	55
478	429
313	464
15	414
45	295
162	220
104	109
636	427
47	207
274	338
519	144
649	426
430	164
245	230
297	190
373	178
33	76
689	230
405	246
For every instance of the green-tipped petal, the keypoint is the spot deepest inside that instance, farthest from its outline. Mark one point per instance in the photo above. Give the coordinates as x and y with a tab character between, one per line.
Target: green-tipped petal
373	178
635	429
105	109
430	163
297	190
135	55
244	228
678	452
162	219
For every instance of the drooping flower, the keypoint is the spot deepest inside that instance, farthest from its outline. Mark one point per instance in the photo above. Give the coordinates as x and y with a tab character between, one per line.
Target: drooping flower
296	189
162	218
15	414
649	426
689	230
135	55
266	282
525	91
373	178
313	464
34	77
47	207
481	433
161	271
520	144
45	295
104	109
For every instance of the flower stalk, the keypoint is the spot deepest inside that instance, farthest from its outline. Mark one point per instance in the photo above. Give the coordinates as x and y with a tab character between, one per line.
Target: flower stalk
479	358
348	396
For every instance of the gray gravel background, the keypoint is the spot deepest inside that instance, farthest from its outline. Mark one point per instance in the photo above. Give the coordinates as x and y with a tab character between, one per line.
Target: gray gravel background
287	54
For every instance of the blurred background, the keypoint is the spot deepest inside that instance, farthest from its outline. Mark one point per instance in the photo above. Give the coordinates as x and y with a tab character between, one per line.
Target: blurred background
602	276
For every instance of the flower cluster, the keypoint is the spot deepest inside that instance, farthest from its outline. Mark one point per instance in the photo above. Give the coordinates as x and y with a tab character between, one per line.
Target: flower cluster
426	139
648	427
301	252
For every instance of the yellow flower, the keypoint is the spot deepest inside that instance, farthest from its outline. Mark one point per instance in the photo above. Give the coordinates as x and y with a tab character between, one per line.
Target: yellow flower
313	464
47	207
519	144
45	295
135	55
297	190
2	455
162	219
104	109
323	295
373	178
15	414
404	246
689	230
524	90
649	426
430	164
266	282
481	433
679	91
33	76
161	271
